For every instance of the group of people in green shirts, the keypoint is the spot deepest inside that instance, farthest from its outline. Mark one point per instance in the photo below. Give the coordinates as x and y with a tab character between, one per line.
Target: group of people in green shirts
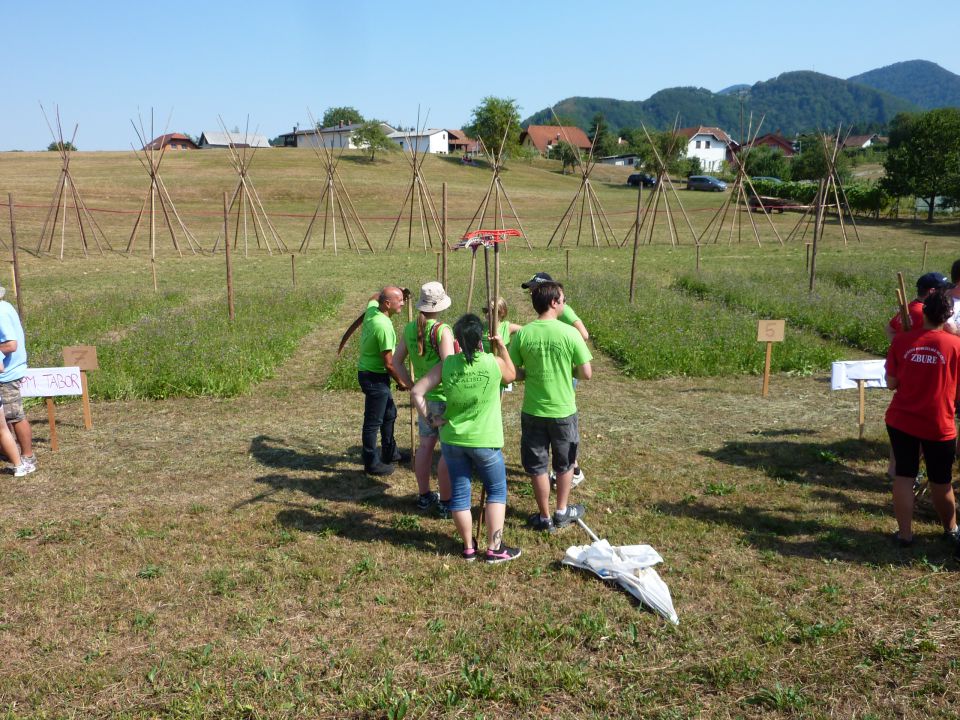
460	376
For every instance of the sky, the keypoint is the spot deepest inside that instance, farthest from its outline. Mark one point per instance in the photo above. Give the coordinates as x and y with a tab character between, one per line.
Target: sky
105	63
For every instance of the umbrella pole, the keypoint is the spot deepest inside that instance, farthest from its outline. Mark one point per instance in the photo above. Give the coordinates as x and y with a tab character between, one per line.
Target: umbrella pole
591	533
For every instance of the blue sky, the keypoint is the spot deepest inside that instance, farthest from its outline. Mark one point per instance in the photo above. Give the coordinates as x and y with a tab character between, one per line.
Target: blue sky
102	61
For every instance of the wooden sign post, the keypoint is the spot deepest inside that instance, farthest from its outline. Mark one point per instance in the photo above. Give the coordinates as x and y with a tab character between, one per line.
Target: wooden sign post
85	358
769	331
859	374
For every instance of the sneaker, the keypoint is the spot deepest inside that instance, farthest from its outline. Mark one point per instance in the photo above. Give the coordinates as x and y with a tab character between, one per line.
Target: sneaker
900	542
577	478
501	555
952	535
568	516
402	457
539	523
469	554
443	509
379	469
428	500
29	460
23	469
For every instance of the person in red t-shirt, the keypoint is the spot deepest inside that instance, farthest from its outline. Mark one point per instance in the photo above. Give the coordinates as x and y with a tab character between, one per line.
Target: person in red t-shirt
925	285
923	368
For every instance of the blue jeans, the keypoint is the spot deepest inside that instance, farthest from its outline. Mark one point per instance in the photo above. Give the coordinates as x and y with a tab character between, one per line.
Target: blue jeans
463	462
379	416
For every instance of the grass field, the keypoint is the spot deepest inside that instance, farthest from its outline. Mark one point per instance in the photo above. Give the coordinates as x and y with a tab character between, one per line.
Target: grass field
221	554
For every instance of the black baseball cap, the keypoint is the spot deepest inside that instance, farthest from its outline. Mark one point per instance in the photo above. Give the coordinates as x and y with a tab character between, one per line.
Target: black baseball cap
540	277
932	281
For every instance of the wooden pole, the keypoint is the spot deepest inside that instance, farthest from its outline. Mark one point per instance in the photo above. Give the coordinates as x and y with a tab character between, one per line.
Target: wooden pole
440	269
904	309
766	370
568	263
443	239
698	257
226	247
16	260
87	417
636	241
52	420
413	410
473	275
153	272
923	264
806	265
293	269
861	385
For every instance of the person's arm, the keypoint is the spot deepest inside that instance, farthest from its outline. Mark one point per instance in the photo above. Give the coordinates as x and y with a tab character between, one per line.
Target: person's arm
508	373
8	347
514	328
583	372
892	382
446	343
400	361
392	370
424	385
582	329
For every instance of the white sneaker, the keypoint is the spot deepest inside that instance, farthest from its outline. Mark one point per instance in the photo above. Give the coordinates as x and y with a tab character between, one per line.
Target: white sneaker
23	469
31	461
578	478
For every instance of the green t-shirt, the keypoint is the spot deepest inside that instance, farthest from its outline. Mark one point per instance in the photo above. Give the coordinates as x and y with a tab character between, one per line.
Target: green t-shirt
548	351
422	364
473	402
503	331
568	316
376	337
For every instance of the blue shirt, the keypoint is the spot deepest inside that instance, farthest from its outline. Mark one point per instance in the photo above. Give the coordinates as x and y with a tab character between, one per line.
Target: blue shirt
14	364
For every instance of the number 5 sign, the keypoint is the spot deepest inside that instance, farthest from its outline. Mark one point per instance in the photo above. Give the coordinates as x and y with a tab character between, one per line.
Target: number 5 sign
769	331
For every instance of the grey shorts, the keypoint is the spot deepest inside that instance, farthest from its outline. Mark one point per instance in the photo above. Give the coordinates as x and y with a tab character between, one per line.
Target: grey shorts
12	401
539	436
434	407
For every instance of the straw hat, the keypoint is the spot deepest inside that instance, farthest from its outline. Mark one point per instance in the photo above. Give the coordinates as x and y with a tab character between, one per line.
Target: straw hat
433	298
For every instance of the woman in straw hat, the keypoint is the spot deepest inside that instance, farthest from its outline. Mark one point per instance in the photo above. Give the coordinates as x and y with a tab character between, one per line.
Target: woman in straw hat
428	341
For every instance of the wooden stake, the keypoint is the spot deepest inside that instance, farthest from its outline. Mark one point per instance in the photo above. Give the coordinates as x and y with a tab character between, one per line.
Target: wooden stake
413	410
153	271
568	264
636	241
473	275
16	260
293	270
52	420
766	370
861	385
443	238
904	309
698	257
226	247
806	265
439	269
923	264
87	417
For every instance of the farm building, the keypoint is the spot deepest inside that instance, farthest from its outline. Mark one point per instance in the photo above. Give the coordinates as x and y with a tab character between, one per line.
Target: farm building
332	137
426	141
629	160
711	145
543	137
458	142
860	142
775	141
237	139
171	141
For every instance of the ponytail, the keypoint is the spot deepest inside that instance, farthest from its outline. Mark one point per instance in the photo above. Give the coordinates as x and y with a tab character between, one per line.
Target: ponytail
421	332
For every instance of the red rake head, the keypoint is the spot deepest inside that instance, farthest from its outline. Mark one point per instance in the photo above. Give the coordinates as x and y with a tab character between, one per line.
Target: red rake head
488	238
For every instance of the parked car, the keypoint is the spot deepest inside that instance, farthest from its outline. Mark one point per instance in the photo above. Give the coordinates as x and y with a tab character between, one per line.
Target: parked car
705	182
641	179
766	178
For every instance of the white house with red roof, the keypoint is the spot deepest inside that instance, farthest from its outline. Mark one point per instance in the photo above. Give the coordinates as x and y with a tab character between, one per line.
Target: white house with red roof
544	137
711	145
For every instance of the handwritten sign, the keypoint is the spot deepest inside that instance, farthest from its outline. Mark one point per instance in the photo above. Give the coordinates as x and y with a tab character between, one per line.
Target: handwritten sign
51	382
83	356
770	330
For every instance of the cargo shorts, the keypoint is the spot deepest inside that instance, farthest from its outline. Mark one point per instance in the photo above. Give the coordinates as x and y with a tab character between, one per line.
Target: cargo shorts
539	436
12	401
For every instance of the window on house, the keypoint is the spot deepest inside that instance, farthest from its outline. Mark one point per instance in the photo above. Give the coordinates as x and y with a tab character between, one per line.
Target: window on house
698	144
706	144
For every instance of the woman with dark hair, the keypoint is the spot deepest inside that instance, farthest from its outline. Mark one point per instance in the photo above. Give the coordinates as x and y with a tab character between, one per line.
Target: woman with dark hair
428	341
471	431
923	368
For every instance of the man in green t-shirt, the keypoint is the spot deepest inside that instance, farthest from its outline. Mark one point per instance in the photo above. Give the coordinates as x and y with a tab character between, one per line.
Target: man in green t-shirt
547	353
374	372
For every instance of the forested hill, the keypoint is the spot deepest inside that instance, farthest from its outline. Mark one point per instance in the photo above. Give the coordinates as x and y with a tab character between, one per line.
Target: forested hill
923	83
792	102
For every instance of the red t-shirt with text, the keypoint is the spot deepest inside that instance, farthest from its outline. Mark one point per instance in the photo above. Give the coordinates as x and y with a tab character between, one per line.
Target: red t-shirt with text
915	310
927	365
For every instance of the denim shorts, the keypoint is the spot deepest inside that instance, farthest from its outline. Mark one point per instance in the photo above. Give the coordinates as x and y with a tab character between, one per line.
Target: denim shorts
539	436
465	462
434	407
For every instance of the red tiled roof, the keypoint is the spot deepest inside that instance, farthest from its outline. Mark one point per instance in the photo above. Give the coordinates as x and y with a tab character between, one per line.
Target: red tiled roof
703	130
543	136
857	141
159	142
775	140
458	140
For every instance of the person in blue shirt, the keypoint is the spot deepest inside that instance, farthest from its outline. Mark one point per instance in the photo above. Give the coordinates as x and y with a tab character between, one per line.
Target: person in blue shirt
14	351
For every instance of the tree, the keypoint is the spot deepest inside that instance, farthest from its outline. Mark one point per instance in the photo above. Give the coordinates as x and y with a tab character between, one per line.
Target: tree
67	145
766	161
663	142
923	157
812	161
371	137
566	154
491	119
604	143
336	115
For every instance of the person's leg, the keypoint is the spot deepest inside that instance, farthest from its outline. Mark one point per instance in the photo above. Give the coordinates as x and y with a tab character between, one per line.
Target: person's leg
388	444
940	457
16	419
534	455
443	480
490	468
906	453
564	441
460	472
903	506
24	434
8	446
374	407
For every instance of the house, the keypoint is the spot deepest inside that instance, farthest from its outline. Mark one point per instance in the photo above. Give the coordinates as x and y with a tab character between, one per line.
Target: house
630	160
171	141
543	137
237	139
711	145
775	141
860	142
425	141
458	142
339	136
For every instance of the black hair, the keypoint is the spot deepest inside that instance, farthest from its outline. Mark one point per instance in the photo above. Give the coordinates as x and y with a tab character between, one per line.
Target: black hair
544	295
468	331
955	272
938	307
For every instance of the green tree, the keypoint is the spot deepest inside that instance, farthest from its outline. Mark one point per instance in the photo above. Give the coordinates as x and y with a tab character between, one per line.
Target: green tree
766	161
812	161
671	149
67	145
923	157
371	137
336	115
604	143
566	154
491	119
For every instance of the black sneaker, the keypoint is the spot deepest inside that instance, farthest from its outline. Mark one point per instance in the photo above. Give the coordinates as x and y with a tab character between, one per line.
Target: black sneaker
568	516
952	535
402	457
427	500
501	555
443	509
470	554
900	542
379	469
539	523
